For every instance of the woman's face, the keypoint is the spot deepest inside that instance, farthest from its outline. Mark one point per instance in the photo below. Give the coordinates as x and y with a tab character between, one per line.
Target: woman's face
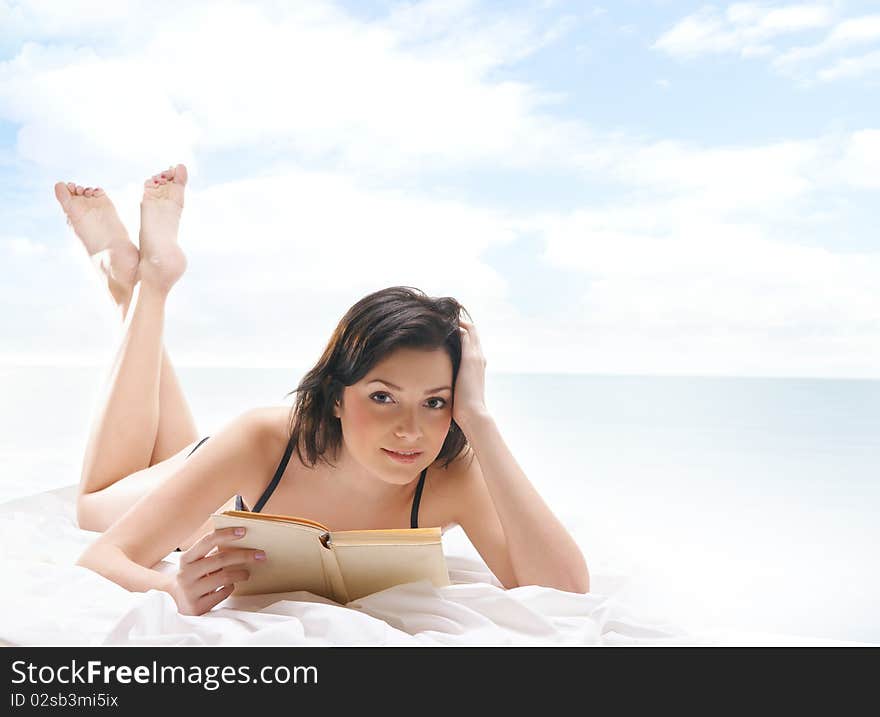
404	403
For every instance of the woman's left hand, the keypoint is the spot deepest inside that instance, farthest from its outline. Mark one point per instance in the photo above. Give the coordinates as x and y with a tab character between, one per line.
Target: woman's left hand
470	395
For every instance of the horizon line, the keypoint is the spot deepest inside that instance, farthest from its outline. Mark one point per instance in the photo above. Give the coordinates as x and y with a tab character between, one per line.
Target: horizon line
598	374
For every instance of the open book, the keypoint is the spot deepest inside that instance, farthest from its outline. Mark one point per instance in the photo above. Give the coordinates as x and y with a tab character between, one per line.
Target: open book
340	565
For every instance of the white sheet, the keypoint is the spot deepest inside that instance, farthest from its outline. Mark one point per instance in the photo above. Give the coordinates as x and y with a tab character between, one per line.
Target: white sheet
51	601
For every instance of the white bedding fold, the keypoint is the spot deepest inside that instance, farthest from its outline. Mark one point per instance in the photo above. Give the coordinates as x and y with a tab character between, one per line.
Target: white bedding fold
51	601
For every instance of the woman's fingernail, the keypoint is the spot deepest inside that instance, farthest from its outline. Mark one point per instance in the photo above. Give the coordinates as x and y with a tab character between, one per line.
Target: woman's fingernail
259	555
239	531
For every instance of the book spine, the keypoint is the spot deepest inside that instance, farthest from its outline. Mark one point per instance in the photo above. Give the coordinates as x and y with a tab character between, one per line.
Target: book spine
332	572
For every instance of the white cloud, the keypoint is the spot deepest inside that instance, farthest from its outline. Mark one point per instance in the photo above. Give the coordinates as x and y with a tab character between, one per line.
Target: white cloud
755	31
762	21
860	164
277	229
849	67
855	31
22	246
46	19
380	96
705	262
743	28
670	293
691	272
757	51
846	34
696	35
722	180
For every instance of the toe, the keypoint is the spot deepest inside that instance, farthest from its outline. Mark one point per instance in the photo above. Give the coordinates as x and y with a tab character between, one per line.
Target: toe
71	187
180	174
87	192
79	190
62	193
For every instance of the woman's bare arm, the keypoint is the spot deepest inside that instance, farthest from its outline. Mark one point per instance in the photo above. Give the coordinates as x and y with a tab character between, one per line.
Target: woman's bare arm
162	519
510	525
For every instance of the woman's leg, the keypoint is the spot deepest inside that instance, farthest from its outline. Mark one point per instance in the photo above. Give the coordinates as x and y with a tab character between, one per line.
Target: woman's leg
145	418
124	429
177	427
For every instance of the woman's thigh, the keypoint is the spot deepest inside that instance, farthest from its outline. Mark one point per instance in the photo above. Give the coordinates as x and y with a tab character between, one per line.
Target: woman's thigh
99	510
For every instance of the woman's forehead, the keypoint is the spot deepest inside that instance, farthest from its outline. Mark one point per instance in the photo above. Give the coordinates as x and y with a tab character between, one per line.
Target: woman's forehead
413	368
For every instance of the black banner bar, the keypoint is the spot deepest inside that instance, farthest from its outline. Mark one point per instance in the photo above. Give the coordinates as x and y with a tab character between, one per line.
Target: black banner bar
232	680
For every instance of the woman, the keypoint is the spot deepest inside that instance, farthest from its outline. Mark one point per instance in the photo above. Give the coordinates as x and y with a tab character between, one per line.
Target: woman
374	439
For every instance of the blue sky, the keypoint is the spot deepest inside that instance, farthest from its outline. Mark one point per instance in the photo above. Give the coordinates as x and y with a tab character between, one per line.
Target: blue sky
630	187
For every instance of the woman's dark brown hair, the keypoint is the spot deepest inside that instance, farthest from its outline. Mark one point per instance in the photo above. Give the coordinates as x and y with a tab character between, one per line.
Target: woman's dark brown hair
396	317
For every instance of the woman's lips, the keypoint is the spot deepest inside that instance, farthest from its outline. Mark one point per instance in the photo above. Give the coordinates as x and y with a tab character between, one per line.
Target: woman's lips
401	458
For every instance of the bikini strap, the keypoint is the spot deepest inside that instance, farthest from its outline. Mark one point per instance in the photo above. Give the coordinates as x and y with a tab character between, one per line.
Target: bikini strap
414	515
275	479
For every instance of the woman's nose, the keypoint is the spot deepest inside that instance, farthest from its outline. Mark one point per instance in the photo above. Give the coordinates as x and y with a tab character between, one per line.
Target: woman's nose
408	427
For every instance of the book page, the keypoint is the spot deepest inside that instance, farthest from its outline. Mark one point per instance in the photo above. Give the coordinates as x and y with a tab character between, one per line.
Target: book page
397	536
293	555
367	569
276	517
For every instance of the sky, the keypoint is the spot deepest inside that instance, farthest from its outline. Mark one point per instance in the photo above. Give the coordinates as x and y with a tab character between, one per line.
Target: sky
654	187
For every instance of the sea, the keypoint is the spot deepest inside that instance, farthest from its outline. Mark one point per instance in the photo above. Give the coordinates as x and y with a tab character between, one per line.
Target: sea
745	504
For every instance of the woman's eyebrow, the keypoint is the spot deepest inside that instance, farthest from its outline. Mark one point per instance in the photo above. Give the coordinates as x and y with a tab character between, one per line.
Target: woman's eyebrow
398	388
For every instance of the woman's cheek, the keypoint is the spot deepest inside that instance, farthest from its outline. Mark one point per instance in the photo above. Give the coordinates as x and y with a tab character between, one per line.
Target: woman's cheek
362	416
440	423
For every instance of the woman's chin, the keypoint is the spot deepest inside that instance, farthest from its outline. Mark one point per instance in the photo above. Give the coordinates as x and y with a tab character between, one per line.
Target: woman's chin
399	475
400	472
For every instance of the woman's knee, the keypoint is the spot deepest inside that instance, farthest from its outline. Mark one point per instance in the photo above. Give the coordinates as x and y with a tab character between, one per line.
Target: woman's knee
84	514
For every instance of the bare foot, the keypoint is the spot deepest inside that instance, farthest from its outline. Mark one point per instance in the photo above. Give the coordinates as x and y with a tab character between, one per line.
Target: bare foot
95	221
162	260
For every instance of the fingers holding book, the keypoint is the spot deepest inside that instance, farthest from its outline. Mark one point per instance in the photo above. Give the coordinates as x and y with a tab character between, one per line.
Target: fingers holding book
209	570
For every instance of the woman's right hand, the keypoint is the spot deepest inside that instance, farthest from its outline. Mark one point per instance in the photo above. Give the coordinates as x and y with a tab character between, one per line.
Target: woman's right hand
206	578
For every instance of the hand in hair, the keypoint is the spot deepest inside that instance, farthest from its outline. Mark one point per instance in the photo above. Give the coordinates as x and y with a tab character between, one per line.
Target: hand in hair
470	384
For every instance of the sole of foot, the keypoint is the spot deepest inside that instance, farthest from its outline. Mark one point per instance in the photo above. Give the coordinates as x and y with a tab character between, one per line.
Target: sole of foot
162	261
95	222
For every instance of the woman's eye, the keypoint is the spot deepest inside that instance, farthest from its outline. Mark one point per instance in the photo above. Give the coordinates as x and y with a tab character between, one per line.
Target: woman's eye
379	398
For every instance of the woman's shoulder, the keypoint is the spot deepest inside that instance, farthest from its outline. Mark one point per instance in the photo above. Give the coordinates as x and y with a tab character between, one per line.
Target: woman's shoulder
266	427
269	422
447	481
456	468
